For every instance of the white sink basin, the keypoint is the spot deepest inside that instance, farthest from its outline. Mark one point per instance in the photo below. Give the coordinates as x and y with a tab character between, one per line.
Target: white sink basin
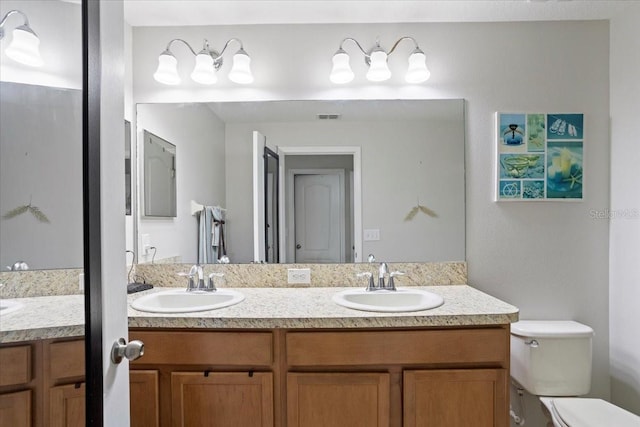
8	306
181	301
402	300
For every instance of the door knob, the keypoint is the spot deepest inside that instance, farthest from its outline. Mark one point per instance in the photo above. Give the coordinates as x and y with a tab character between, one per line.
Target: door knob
298	246
132	351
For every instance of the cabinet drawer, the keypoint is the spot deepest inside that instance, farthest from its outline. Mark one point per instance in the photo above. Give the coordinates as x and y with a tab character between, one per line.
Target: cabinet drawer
16	365
444	347
205	348
66	359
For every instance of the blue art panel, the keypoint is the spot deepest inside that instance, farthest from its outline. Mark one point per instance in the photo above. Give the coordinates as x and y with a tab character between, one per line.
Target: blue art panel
522	165
533	189
565	170
510	189
512	128
565	126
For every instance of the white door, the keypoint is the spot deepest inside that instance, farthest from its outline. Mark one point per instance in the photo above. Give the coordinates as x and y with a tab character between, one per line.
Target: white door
115	393
259	226
319	217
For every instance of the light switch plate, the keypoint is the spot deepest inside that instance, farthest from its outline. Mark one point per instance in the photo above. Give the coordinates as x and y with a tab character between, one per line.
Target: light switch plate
299	276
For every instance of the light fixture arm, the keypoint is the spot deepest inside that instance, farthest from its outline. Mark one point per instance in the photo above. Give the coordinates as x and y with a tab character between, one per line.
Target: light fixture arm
168	48
415	43
364	52
6	16
225	46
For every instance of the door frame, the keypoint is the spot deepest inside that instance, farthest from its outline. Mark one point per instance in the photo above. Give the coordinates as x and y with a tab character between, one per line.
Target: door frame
91	160
291	219
354	151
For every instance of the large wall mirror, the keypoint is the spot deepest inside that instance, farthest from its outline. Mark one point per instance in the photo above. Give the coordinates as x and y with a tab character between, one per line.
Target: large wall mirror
355	177
41	142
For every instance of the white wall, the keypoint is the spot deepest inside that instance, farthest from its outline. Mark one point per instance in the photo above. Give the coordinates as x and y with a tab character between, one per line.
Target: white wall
58	25
624	276
550	259
198	135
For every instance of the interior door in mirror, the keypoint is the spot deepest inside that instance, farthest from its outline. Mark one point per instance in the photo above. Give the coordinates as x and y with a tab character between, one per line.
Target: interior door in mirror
159	176
271	218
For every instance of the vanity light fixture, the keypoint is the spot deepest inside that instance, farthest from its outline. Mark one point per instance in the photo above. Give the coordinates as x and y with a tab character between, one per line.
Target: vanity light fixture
208	62
376	59
25	45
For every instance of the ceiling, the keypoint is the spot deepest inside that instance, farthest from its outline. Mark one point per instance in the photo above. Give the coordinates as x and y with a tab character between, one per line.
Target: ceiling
243	12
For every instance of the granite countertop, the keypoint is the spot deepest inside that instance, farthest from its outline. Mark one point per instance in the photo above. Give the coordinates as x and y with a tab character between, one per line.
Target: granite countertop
267	308
43	318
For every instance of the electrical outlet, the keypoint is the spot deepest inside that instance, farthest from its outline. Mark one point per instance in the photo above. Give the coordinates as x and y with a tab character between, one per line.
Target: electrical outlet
299	276
81	282
146	243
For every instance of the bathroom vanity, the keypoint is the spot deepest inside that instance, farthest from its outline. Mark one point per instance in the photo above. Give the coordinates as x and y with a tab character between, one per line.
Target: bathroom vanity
291	357
42	383
284	356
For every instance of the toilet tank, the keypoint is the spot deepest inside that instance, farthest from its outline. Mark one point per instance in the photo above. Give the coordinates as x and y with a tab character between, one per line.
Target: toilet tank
551	357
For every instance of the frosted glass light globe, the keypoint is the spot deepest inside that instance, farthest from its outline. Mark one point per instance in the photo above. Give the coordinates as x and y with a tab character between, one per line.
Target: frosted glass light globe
378	70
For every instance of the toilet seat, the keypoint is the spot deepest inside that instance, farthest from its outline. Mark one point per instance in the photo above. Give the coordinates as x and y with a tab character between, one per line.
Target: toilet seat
583	412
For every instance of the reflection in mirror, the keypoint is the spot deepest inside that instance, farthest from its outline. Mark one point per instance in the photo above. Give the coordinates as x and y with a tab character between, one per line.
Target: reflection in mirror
127	166
40	176
159	176
409	153
271	219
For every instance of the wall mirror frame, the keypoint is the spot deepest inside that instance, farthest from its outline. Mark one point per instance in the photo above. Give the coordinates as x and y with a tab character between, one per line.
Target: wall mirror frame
411	153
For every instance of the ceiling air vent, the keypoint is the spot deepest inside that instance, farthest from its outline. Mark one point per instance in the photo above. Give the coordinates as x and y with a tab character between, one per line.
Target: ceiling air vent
328	116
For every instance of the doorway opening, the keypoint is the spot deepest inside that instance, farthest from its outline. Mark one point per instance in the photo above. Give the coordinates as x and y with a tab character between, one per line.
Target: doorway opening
321	204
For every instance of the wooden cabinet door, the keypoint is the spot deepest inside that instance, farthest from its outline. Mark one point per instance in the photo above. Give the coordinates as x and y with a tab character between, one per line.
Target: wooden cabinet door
67	406
222	399
455	398
338	399
15	409
143	391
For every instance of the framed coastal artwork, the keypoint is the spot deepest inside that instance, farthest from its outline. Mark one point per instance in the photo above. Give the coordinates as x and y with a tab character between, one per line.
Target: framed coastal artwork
539	156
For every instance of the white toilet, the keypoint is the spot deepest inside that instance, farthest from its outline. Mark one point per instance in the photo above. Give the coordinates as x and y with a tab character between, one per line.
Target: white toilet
552	359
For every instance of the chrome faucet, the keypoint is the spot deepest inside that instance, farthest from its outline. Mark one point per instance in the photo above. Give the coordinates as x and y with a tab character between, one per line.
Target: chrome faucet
383	270
196	270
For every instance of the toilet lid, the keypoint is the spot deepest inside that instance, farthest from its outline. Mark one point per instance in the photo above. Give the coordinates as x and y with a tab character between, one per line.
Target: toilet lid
581	412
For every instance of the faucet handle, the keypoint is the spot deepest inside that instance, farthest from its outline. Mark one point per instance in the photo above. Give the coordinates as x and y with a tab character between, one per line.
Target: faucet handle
392	284
212	285
371	284
191	275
